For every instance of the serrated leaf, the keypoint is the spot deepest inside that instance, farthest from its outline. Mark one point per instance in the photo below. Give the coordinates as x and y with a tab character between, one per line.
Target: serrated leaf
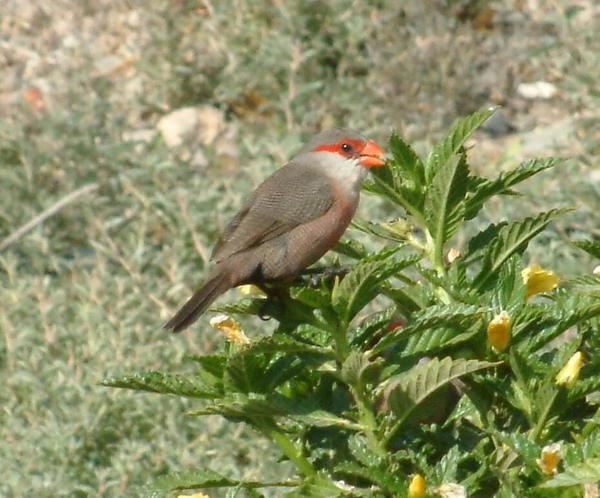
439	316
449	146
381	230
592	247
362	452
406	391
360	285
521	445
502	184
258	405
315	298
407	160
584	283
165	485
364	332
162	383
246	306
282	344
351	248
432	340
316	487
444	203
387	181
588	471
510	239
358	368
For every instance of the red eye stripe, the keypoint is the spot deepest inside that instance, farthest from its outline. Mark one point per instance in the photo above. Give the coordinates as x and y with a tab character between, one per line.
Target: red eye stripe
356	144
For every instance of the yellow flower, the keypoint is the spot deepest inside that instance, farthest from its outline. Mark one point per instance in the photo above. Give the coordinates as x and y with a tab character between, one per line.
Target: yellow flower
498	331
596	271
250	289
416	488
230	328
569	373
195	495
549	459
538	280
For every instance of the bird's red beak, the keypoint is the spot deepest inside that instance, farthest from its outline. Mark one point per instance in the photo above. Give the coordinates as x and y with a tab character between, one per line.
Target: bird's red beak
371	155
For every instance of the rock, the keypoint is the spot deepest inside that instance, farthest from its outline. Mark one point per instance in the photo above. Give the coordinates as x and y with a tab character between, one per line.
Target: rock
498	124
537	90
191	125
211	122
545	140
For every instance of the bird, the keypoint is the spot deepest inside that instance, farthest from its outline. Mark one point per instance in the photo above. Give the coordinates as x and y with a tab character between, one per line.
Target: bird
290	220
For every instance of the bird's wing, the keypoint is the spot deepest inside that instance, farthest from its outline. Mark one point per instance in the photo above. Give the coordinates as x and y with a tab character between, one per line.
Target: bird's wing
293	195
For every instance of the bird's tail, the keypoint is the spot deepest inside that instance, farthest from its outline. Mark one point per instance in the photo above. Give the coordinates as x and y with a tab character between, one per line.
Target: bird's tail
199	302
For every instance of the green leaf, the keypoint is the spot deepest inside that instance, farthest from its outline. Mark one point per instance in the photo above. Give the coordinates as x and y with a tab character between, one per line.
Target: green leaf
304	412
388	182
315	298
316	487
407	161
444	204
439	316
431	340
370	326
512	238
407	390
358	368
165	485
592	247
501	185
282	344
162	383
586	472
360	285
246	306
584	284
451	144
362	452
395	231
351	248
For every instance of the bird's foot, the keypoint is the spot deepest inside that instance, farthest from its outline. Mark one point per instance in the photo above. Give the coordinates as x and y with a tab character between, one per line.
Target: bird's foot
316	275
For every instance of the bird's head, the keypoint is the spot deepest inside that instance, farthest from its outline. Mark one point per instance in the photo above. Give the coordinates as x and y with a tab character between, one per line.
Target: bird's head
348	144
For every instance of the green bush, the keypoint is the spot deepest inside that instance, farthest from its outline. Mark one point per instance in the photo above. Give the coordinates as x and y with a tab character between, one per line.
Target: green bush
464	368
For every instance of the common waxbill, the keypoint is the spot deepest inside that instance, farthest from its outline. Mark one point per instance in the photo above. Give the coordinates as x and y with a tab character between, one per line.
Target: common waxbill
291	219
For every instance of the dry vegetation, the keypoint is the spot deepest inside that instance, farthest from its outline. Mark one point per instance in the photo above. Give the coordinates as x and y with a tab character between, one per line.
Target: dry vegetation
84	87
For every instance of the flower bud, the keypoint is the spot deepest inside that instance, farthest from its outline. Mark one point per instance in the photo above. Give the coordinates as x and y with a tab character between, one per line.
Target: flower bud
538	280
498	331
250	289
569	373
416	488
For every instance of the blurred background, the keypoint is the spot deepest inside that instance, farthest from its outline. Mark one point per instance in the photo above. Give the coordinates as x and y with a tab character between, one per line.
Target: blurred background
159	117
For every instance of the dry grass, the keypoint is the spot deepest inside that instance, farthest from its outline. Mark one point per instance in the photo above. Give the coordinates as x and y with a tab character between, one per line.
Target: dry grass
83	294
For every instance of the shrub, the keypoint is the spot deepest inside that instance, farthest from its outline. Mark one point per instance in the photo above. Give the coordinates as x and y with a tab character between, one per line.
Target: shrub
418	370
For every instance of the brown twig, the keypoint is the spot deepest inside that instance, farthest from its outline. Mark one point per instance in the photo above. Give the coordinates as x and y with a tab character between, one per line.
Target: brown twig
48	213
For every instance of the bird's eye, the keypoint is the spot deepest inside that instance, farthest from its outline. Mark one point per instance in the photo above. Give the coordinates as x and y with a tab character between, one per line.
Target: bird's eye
346	147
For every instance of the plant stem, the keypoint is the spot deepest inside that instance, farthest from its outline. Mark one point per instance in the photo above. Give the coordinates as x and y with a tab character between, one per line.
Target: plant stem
342	348
367	419
287	446
539	426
